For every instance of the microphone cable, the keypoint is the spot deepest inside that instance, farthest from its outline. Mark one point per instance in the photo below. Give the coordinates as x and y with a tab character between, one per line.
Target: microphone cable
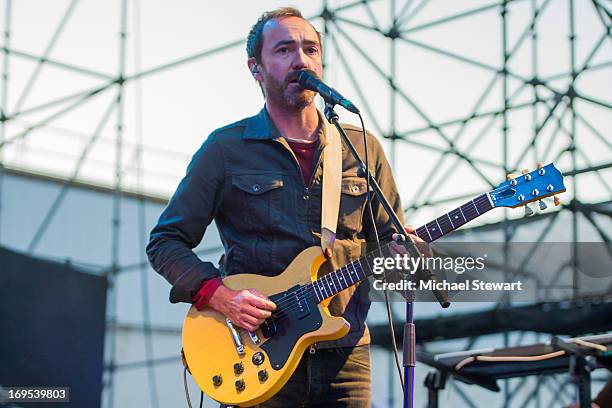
385	291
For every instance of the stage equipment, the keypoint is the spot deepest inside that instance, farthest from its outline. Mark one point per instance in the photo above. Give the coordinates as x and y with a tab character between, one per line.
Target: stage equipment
578	356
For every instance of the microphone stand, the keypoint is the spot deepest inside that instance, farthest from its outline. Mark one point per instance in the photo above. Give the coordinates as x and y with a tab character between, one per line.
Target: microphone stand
409	344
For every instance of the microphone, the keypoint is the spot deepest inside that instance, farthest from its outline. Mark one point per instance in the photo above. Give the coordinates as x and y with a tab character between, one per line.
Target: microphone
309	80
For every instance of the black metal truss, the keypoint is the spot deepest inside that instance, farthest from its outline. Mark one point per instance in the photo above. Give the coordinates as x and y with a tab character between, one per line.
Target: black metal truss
561	119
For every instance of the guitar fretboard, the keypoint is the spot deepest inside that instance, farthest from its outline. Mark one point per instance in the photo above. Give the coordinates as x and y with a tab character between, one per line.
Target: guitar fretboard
336	281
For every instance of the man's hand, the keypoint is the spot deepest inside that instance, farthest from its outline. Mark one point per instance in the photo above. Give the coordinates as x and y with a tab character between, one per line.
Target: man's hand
421	245
245	308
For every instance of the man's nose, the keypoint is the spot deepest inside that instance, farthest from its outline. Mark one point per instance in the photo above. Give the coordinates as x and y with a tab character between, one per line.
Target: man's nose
300	61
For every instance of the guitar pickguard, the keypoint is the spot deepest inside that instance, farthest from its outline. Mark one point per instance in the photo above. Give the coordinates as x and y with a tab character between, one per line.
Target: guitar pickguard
298	314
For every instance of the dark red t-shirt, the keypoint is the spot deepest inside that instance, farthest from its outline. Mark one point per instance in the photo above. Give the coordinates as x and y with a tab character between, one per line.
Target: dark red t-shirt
304	151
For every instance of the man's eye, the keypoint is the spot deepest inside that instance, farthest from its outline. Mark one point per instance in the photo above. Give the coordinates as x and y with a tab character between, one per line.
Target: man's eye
283	50
313	50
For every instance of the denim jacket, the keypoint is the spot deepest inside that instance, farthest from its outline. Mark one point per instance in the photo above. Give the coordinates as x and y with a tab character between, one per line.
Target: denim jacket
246	178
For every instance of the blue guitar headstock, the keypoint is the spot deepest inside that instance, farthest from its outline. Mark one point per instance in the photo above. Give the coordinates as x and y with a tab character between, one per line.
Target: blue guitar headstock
527	187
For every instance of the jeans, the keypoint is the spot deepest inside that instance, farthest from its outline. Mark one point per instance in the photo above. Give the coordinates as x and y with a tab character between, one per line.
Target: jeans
329	378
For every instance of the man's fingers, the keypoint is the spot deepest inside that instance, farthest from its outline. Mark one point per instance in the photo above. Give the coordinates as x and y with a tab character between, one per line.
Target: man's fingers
260	301
249	322
263	314
409	228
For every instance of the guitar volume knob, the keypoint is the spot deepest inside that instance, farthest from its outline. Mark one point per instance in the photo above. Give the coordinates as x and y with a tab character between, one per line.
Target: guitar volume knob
263	375
238	368
217	380
240	385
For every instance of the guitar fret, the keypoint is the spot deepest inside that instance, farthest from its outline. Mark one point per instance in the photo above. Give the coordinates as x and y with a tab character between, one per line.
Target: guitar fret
363	272
428	233
422	233
318	296
329	285
322	288
476	207
344	277
361	266
444	226
331	278
450	220
484	203
348	270
468	211
465	219
355	273
441	230
455	215
338	279
350	277
343	280
433	232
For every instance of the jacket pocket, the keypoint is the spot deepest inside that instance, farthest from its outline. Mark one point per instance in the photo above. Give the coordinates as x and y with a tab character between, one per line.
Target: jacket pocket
352	200
261	198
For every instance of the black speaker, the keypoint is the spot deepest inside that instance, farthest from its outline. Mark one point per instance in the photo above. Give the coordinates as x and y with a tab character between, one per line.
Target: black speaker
52	321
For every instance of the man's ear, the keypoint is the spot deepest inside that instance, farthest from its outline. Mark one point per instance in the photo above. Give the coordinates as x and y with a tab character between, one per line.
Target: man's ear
255	69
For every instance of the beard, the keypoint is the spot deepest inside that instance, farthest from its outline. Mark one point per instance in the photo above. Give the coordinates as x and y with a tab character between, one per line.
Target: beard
286	95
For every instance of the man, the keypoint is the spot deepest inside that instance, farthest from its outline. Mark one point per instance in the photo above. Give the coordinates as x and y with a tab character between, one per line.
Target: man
260	180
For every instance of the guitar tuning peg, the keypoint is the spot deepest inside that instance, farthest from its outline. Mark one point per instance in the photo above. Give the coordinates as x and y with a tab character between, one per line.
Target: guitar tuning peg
542	205
525	171
510	176
557	201
539	165
528	211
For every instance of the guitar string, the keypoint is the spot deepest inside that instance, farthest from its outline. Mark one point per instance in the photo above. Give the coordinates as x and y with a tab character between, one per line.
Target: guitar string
326	287
293	303
480	200
324	281
309	289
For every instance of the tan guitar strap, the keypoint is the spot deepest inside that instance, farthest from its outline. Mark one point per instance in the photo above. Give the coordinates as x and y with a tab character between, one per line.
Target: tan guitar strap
332	180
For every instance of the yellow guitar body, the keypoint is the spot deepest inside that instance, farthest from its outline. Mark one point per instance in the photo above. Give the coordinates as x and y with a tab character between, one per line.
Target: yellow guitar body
211	353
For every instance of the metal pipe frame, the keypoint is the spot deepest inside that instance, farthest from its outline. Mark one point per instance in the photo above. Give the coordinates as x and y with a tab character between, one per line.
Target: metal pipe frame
553	110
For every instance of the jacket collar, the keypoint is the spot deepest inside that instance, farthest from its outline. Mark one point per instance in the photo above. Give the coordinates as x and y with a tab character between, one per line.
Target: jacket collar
261	127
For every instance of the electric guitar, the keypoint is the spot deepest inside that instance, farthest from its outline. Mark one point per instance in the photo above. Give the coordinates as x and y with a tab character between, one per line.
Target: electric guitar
237	367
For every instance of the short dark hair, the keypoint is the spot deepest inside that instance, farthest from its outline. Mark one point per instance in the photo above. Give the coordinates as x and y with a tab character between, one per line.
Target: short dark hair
255	41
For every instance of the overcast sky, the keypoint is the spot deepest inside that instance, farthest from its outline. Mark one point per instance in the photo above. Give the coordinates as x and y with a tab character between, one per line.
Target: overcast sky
171	111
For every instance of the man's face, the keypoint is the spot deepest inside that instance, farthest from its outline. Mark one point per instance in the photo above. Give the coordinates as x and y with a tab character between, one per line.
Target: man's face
289	45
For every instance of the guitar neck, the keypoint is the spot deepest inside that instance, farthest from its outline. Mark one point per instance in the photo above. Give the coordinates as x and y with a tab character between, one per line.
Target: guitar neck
354	272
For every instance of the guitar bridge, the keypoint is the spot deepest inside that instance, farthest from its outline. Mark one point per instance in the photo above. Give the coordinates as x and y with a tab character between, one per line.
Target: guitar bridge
235	337
254	337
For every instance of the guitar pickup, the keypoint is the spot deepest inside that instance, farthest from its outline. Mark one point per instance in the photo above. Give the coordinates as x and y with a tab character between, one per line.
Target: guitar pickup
268	328
235	337
301	309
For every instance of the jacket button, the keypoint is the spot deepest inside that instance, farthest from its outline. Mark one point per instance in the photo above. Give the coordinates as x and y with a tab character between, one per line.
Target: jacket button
256	187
